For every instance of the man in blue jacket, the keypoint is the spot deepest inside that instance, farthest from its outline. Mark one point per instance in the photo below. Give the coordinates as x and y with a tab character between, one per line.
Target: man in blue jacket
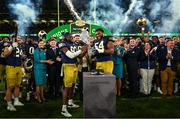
168	58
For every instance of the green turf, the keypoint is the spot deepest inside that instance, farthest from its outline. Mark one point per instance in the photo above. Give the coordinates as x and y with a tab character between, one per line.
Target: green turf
148	107
32	109
154	106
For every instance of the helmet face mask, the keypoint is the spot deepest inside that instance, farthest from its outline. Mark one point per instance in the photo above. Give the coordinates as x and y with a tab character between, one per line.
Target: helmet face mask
28	65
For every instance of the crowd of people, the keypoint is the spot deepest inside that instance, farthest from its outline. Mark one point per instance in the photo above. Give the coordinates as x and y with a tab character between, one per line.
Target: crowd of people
139	65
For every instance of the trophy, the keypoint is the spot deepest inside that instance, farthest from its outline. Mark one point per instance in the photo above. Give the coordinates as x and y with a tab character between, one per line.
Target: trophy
142	22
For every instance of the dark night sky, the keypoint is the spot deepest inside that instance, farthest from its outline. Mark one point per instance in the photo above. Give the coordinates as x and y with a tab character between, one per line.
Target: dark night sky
50	6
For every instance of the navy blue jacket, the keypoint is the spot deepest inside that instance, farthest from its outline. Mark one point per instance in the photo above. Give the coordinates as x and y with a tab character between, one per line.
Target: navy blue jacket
162	52
132	58
148	61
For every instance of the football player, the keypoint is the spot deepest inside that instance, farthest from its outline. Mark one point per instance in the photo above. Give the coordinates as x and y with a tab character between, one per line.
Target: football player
3	43
83	63
69	59
30	46
14	72
104	50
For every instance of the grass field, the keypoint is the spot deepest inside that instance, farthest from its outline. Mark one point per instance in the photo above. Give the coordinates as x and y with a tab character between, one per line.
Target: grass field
154	106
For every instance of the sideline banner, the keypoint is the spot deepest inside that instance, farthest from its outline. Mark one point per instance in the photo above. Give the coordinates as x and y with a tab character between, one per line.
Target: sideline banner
75	28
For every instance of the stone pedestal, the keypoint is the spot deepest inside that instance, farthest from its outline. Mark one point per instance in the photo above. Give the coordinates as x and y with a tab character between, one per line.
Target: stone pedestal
99	98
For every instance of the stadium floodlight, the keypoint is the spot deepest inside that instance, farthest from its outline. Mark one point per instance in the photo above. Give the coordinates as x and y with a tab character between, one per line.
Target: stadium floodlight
70	21
61	21
6	21
35	21
43	21
52	21
15	21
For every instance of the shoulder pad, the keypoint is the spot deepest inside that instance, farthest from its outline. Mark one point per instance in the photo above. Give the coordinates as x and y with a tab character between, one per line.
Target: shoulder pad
61	45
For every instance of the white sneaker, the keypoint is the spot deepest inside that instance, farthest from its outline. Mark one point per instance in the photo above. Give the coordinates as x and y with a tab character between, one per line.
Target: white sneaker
11	108
66	113
12	96
35	97
175	91
5	98
28	97
72	105
159	90
18	103
175	87
20	95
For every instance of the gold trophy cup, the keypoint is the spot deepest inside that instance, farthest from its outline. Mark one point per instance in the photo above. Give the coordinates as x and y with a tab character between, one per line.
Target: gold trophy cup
142	22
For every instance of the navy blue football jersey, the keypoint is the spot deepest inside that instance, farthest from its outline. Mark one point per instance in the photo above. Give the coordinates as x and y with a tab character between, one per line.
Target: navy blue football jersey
14	59
73	47
29	49
102	44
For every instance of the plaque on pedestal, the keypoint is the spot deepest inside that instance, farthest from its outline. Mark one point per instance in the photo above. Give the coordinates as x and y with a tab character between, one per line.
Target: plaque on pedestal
99	98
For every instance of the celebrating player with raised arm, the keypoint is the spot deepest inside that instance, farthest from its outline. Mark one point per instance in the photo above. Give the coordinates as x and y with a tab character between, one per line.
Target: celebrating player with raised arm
69	55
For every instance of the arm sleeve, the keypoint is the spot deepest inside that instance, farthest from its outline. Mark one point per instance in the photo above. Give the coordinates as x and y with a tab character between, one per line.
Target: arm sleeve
73	55
175	55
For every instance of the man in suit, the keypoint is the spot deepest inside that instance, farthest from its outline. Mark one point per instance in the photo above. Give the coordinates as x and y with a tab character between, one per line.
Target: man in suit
132	53
54	69
168	58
